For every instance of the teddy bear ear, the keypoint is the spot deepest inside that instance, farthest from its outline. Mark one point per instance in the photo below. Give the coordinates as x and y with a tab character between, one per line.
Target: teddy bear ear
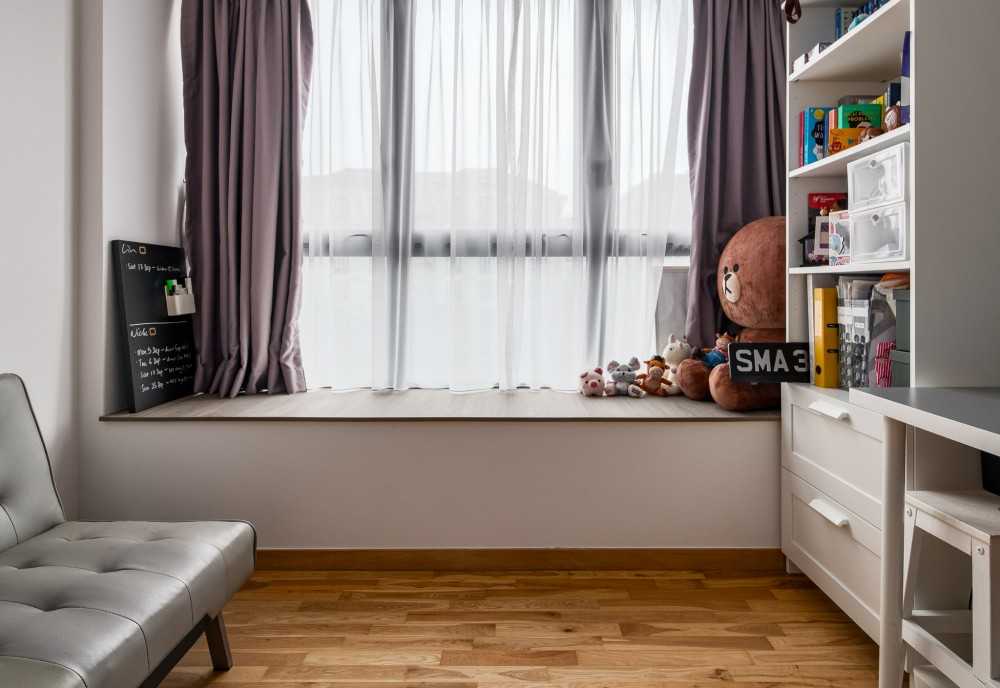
583	374
634	363
598	371
672	338
612	364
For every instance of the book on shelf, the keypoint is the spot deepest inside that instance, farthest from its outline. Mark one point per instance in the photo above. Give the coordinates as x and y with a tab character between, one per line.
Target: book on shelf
892	94
905	115
842	18
858	115
842	139
826	338
802	137
814	128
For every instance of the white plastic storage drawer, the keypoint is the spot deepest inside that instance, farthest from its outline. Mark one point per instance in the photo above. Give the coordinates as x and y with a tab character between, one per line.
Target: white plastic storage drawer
879	234
878	179
836	548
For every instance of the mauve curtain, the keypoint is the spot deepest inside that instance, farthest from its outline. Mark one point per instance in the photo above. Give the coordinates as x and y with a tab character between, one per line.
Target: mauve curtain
736	141
246	66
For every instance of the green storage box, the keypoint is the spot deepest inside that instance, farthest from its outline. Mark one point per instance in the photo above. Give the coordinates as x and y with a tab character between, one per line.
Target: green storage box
902	297
899	362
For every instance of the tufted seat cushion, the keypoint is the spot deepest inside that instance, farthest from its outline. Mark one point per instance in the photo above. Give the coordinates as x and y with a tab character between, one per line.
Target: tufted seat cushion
107	602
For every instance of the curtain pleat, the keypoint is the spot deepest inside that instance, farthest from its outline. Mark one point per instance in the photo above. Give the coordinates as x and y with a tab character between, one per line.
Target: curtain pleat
491	205
737	147
246	66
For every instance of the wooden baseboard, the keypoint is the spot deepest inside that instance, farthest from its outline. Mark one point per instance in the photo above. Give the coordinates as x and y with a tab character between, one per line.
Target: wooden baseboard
518	559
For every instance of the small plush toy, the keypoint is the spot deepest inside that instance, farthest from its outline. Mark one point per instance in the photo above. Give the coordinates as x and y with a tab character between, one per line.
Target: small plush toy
677	350
592	383
720	354
623	379
654	380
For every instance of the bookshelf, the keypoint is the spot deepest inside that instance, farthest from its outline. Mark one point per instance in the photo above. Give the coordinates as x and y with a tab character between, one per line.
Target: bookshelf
833	450
954	205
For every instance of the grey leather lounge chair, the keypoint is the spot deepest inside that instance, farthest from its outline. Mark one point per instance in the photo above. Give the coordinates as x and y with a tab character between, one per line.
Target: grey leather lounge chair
101	605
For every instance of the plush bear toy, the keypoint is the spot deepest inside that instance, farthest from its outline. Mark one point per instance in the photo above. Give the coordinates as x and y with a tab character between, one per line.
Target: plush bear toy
592	383
751	286
676	351
654	381
623	379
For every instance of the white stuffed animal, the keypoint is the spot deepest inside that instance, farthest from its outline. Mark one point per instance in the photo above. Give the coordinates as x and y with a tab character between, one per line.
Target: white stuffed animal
676	351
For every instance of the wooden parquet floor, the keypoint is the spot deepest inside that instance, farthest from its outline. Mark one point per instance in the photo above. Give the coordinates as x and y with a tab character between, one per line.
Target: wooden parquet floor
569	629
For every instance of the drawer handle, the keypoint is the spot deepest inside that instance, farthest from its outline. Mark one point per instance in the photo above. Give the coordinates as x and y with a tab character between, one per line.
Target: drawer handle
829	512
829	410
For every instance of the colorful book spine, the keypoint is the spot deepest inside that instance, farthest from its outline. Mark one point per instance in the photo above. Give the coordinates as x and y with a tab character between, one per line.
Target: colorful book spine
814	126
826	339
892	94
905	116
859	115
842	20
831	124
842	139
802	137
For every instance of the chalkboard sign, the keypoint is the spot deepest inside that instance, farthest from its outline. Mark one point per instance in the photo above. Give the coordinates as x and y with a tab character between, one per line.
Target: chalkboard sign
769	362
160	347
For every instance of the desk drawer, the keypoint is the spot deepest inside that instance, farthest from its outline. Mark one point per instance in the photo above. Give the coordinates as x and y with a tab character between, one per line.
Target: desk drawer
836	548
836	446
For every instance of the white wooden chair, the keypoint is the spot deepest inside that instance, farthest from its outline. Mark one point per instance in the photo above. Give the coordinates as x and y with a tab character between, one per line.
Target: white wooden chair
958	642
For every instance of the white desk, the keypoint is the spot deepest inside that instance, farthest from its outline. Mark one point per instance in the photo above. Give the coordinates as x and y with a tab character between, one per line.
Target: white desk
969	416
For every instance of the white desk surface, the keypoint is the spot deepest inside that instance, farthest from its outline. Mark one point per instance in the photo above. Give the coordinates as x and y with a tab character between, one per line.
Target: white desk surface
968	415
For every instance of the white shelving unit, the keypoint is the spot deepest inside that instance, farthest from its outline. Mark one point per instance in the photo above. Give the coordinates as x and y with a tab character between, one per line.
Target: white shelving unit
954	202
833	451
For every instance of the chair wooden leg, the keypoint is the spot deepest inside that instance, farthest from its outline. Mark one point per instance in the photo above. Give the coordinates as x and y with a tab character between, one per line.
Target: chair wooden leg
218	644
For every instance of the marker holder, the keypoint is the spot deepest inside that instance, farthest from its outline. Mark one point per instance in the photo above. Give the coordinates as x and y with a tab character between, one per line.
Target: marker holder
181	302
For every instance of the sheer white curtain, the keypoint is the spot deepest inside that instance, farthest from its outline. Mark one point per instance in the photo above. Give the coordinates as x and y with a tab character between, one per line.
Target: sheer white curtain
489	188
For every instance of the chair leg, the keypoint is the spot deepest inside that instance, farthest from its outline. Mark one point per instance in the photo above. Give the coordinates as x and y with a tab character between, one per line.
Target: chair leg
218	644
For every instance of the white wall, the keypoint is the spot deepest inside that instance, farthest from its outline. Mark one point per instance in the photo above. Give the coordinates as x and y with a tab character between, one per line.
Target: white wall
449	484
38	230
461	484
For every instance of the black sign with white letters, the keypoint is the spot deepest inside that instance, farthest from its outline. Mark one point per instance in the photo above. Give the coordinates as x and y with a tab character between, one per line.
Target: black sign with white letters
769	362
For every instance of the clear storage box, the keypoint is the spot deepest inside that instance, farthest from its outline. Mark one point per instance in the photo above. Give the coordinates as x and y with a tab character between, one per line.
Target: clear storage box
878	179
840	237
879	234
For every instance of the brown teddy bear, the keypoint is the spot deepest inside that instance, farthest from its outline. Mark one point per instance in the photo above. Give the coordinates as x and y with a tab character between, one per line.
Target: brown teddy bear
751	287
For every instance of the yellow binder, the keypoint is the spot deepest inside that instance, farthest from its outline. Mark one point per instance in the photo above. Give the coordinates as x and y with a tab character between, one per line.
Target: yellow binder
825	337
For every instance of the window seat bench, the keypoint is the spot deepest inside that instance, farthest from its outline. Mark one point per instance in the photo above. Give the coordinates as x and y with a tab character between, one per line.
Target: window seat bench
437	405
